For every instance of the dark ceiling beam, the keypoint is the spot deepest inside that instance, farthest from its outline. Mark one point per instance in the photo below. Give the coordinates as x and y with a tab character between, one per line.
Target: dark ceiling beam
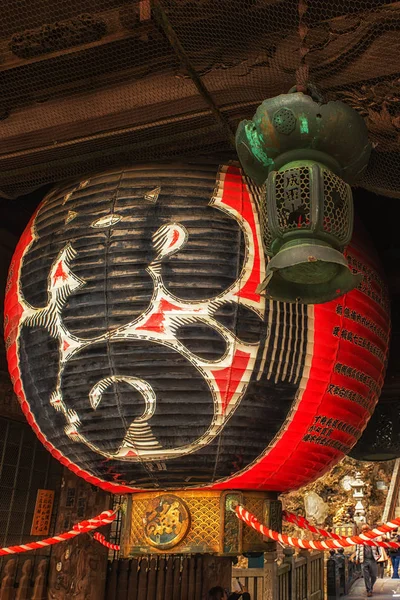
184	59
67	104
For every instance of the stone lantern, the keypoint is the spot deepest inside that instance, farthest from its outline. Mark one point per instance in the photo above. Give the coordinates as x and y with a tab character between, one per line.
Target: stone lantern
358	494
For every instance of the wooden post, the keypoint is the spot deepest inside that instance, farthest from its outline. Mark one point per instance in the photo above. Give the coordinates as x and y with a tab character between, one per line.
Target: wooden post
133	579
112	581
78	567
169	578
176	590
40	585
333	583
270	573
122	587
192	578
185	579
142	585
199	578
7	582
289	560
23	592
160	579
152	580
306	555
345	566
273	519
322	574
217	570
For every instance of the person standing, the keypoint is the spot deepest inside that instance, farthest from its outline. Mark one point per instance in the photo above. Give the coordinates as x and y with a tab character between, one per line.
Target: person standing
367	557
394	554
383	558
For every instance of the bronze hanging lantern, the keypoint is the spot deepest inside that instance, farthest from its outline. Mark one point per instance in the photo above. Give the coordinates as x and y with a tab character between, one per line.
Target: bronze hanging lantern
307	153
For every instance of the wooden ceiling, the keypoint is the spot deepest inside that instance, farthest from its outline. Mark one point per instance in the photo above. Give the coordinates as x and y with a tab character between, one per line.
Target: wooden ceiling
96	82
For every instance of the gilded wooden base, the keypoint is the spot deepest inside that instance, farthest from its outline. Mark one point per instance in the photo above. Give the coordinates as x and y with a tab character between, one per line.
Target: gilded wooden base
187	522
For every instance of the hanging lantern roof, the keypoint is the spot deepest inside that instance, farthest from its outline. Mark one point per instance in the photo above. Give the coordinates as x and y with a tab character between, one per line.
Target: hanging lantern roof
295	127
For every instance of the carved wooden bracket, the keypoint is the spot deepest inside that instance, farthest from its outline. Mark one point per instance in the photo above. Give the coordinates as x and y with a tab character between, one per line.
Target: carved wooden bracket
58	36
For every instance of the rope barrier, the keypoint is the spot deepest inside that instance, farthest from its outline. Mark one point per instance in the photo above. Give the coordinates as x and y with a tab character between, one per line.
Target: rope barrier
333	540
99	537
329	544
302	522
104	518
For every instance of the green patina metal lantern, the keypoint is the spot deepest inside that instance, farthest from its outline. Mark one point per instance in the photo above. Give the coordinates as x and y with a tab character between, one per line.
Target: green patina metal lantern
307	154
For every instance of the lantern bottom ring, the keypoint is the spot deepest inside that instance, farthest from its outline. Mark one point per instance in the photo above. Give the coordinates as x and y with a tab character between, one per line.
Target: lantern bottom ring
308	271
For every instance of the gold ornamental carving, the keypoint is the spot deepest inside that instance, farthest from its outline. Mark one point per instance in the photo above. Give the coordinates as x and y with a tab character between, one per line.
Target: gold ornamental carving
194	522
166	522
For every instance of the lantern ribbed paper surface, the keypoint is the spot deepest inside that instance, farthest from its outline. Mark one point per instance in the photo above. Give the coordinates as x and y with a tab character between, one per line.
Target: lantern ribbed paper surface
144	358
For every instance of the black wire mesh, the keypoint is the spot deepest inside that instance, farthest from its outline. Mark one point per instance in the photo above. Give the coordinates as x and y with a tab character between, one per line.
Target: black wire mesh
25	467
92	83
116	526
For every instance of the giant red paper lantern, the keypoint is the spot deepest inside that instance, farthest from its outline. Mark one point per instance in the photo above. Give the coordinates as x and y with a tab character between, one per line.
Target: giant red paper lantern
144	357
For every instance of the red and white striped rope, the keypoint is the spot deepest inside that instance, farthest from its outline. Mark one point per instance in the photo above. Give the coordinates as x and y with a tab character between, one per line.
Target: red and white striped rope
104	518
99	537
302	522
288	540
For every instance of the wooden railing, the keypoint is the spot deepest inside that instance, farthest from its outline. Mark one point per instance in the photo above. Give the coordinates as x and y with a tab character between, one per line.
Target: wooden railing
285	582
298	577
341	574
252	580
307	575
160	578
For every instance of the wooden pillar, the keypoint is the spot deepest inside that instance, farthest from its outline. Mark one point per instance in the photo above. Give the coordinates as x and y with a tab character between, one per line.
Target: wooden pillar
290	560
333	580
217	570
322	571
78	567
273	519
271	573
306	555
